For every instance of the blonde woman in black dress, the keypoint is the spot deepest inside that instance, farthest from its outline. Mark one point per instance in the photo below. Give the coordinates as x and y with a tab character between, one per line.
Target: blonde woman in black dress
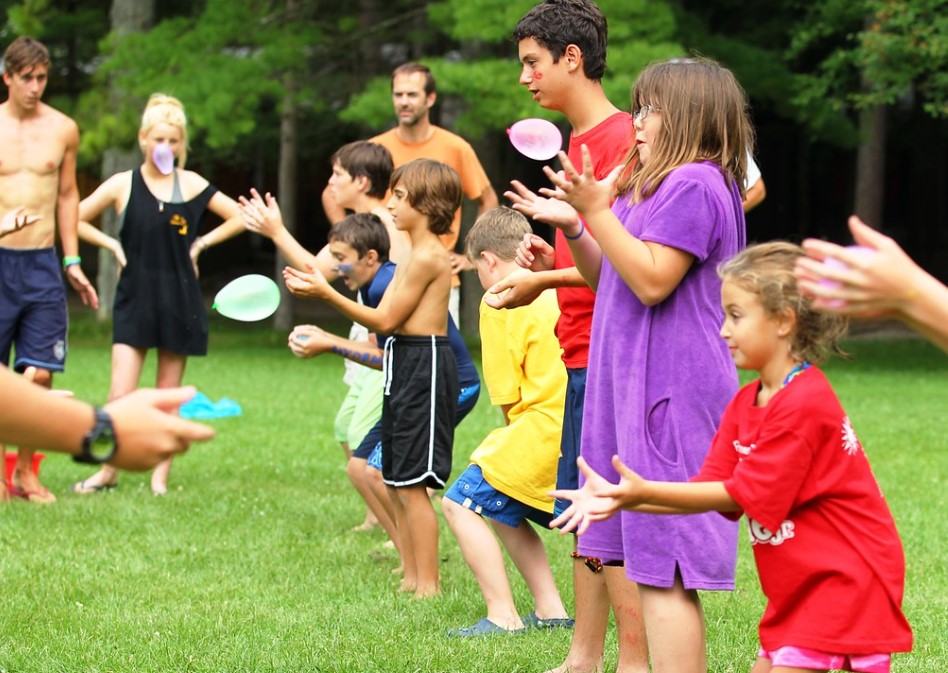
158	302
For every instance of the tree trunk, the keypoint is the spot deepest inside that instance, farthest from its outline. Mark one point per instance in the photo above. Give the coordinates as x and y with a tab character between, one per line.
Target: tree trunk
128	16
870	165
286	178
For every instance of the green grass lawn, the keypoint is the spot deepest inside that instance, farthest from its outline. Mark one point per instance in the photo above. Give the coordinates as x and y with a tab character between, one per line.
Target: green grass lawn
247	564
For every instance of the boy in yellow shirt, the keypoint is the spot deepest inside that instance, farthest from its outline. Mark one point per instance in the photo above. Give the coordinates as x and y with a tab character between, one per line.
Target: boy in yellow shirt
511	473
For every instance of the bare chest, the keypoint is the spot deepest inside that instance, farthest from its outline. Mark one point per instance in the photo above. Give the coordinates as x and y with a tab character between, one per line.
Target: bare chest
33	148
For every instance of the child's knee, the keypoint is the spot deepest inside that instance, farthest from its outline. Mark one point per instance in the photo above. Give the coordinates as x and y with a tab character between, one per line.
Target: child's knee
356	469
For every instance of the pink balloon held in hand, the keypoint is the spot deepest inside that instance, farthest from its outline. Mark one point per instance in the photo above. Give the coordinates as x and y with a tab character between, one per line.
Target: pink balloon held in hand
833	263
537	139
163	158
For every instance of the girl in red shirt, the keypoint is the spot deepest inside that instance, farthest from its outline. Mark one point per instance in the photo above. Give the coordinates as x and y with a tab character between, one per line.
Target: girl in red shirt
786	455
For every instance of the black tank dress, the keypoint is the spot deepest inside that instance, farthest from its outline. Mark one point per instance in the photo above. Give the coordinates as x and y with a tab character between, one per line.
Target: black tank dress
158	302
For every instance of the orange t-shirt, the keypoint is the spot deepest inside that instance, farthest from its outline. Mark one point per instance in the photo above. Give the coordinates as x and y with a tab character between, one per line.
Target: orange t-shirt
449	149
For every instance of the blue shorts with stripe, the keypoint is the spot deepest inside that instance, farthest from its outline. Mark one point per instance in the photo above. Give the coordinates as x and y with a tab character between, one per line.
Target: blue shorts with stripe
33	317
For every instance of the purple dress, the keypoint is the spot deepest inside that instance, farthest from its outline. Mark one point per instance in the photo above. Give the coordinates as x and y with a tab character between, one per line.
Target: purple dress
659	379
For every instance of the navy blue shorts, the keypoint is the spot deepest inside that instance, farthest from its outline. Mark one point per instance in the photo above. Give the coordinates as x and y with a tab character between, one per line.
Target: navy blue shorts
33	317
372	439
371	447
567	472
472	490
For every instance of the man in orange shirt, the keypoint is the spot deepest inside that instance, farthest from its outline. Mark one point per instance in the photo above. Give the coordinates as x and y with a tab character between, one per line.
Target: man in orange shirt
415	137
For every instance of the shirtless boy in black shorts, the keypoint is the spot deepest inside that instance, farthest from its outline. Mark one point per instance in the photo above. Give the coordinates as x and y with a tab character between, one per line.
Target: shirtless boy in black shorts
421	386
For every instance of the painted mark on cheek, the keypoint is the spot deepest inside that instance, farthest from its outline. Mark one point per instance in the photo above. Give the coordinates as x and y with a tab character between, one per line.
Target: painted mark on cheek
343	268
538	76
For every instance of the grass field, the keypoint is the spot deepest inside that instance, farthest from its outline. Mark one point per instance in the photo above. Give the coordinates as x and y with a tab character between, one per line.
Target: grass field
248	565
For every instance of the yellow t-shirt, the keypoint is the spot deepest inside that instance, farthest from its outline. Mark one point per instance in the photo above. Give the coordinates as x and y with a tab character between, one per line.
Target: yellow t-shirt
522	366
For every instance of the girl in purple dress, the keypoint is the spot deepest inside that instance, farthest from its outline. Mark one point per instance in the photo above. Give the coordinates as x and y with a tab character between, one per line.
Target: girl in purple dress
659	376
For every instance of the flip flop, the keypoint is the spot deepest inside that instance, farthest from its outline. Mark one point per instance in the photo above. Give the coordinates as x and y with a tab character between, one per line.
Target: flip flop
40	496
531	621
85	488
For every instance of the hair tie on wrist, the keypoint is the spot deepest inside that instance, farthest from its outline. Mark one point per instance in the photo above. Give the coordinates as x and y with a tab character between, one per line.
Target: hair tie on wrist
582	230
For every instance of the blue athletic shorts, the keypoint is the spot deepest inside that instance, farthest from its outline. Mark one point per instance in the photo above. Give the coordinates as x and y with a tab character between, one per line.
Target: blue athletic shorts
33	317
371	446
372	439
567	472
472	491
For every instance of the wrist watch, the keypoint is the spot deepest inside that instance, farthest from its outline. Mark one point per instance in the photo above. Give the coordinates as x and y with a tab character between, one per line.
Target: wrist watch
99	445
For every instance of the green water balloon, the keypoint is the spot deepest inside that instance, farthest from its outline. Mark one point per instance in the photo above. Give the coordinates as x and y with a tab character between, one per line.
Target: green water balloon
248	298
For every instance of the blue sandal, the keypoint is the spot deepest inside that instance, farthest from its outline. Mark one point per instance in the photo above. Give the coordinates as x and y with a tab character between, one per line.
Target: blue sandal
485	627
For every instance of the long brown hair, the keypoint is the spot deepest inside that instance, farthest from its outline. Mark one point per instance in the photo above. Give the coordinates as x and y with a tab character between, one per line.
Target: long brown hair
704	118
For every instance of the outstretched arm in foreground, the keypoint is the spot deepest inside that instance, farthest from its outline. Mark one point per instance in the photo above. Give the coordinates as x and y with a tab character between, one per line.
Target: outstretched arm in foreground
146	430
599	499
884	283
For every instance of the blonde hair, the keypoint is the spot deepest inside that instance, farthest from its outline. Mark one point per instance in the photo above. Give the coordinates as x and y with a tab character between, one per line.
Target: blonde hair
162	108
704	118
500	231
766	270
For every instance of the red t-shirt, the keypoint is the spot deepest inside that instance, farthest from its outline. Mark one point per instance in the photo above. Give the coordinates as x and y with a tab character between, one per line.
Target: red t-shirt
826	547
608	144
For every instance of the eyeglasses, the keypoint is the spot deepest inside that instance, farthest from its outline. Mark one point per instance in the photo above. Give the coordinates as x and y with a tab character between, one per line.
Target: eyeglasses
643	112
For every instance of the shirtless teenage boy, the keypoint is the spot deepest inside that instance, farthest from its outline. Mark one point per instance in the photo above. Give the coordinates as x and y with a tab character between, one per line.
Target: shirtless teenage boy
418	412
38	148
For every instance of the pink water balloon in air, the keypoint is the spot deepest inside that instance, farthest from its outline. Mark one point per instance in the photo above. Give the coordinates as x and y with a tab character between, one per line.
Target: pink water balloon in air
538	139
163	158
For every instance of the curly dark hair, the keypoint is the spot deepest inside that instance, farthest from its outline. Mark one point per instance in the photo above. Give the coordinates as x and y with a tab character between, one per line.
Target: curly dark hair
556	24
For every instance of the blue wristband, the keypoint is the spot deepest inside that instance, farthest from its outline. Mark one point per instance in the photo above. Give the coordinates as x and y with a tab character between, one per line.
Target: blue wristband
582	230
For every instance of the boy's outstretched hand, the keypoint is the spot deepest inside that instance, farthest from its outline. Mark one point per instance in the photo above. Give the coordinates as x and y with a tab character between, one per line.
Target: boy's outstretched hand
261	214
309	285
598	499
552	211
308	341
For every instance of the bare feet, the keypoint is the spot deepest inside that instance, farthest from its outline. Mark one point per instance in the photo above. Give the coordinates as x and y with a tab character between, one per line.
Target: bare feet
567	667
26	485
430	592
366	525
